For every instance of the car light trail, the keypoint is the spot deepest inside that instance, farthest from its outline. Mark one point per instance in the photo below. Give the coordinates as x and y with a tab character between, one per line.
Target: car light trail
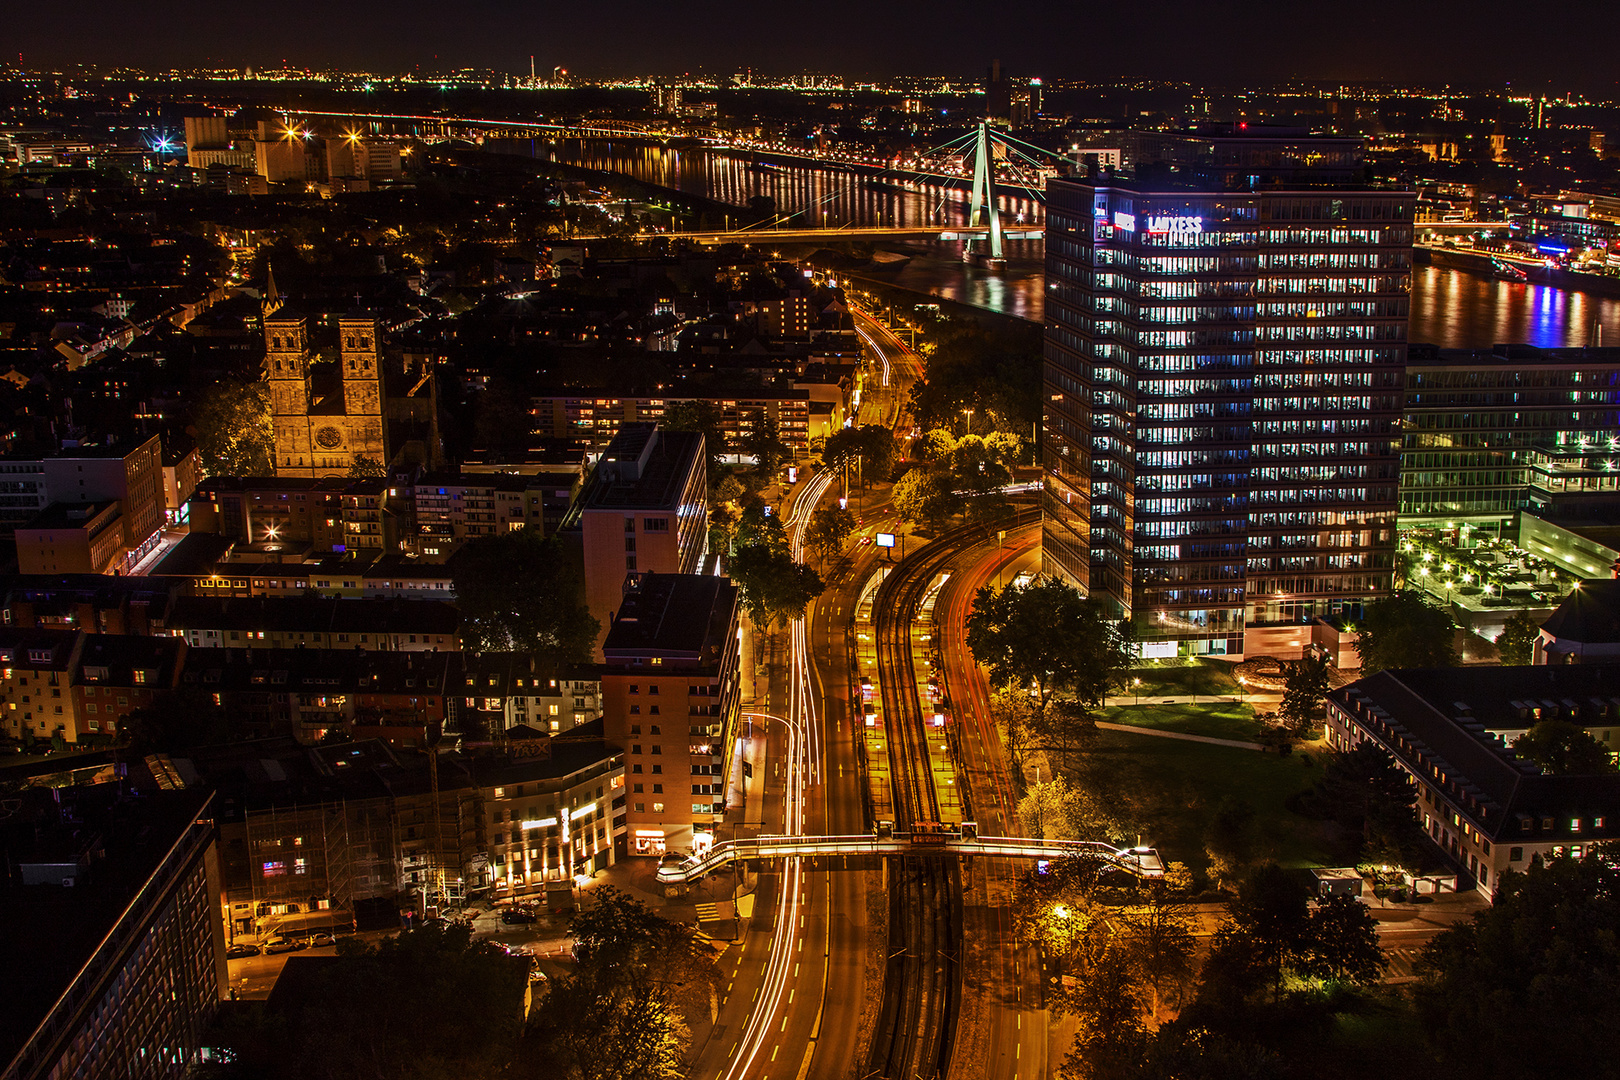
804	768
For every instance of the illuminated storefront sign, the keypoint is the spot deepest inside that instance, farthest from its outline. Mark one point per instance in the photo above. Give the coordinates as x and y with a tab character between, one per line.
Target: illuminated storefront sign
1124	222
1163	223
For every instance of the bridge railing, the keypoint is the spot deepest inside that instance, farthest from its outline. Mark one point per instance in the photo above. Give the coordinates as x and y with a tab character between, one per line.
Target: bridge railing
1141	861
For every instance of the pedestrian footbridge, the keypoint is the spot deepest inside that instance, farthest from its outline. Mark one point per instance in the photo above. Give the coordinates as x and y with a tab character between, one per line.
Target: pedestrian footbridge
681	869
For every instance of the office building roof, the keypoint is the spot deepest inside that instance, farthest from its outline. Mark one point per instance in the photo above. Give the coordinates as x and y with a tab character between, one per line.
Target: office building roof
673	616
645	467
1448	725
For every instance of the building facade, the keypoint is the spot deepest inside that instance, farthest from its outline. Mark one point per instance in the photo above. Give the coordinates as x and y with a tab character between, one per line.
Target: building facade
1488	810
322	425
645	510
671	694
132	994
1487	433
1226	335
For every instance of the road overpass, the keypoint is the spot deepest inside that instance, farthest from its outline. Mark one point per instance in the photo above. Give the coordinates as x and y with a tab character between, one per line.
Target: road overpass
1142	862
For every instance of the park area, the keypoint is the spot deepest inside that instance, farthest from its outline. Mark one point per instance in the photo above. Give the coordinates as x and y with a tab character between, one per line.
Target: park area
1176	793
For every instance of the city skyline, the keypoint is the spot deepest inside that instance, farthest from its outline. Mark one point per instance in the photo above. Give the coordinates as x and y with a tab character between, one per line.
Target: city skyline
1165	40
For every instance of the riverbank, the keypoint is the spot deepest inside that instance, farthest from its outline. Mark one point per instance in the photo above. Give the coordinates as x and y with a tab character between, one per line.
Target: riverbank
1477	263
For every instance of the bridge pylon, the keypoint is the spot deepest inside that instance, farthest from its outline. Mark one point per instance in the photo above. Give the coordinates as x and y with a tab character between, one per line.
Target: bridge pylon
982	208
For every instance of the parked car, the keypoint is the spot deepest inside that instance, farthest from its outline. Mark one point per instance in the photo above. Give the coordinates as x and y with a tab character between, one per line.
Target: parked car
516	917
320	938
279	944
241	952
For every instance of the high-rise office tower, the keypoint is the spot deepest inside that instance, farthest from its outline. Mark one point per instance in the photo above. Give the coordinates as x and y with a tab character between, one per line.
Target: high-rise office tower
1226	334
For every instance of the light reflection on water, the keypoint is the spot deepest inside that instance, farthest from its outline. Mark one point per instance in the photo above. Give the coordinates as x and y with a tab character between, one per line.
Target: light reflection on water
1450	308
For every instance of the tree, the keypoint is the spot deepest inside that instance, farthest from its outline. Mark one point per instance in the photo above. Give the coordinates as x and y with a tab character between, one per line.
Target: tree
1526	989
1304	691
705	418
1341	943
774	587
519	590
233	430
1272	911
623	1012
829	529
1564	749
1405	631
935	445
1392	836
1159	943
764	443
1041	812
178	723
1014	716
1106	1003
501	419
366	467
1229	840
926	499
1047	636
976	467
1517	641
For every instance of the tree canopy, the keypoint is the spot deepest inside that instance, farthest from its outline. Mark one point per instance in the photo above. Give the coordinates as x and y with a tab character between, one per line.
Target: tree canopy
234	434
765	444
1405	631
703	417
1517	642
1564	748
1045	635
425	1004
519	590
625	1013
829	529
996	373
870	445
1304	691
774	587
1526	989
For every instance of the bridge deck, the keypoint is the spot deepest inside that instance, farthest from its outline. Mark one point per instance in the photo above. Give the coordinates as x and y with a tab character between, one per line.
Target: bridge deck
1143	862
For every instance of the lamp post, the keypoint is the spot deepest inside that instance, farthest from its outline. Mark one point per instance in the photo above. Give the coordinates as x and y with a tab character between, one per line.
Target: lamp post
1136	686
1243	684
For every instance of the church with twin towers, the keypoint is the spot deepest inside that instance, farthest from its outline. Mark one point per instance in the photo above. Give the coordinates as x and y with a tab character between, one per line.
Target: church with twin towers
338	398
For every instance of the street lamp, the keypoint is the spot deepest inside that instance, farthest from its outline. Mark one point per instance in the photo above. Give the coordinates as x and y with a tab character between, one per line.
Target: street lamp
1243	684
968	430
1136	686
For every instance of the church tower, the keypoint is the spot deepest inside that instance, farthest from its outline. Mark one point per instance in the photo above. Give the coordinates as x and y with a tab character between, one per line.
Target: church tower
360	359
287	367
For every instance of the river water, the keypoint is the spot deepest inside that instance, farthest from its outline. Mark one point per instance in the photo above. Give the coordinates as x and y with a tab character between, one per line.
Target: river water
1451	308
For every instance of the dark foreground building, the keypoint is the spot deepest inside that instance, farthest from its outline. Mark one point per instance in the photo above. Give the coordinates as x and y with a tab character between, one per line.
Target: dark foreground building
1226	336
109	925
1451	730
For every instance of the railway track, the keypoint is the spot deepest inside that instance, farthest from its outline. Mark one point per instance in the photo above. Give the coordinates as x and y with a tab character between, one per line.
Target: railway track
921	984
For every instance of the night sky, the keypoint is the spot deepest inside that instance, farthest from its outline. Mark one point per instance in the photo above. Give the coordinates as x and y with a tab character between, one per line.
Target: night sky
1570	45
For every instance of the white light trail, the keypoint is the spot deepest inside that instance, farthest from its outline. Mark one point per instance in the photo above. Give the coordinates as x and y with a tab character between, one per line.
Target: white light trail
804	767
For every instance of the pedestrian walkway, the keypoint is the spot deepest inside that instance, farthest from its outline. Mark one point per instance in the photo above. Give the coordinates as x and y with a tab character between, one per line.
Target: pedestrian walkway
1183	736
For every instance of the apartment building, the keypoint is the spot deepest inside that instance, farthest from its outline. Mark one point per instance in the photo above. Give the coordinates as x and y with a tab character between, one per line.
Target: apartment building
670	701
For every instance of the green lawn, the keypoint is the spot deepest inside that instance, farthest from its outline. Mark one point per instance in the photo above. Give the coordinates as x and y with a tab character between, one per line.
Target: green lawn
1172	787
1164	678
1220	720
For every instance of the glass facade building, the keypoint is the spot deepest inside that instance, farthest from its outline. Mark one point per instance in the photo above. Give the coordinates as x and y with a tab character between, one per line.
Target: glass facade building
1489	433
1224	358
